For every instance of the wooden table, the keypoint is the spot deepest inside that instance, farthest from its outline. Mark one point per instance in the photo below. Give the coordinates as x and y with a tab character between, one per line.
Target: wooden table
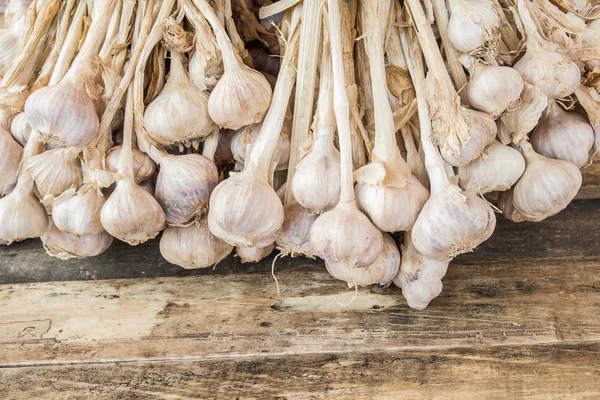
519	317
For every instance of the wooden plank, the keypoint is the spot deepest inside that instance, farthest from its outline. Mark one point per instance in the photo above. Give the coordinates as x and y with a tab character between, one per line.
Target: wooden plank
572	233
241	315
591	181
559	371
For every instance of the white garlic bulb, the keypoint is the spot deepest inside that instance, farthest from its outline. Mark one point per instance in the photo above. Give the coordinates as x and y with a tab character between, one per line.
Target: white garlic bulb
344	235
420	278
493	89
294	236
20	129
497	169
546	187
452	222
184	185
10	159
78	212
516	123
542	65
21	214
179	114
66	246
253	254
131	214
64	113
206	65
56	170
143	166
193	246
472	23
563	135
244	138
381	272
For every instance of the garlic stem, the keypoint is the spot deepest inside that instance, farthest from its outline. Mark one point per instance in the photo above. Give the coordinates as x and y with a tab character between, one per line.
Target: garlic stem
230	57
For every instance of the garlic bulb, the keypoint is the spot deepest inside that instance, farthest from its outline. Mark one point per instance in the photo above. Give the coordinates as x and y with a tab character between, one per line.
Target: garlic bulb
497	169
244	138
381	272
184	185
78	212
66	245
21	214
563	135
506	204
10	159
294	236
179	114
493	89
193	246
131	214
20	129
253	254
143	166
419	277
542	65
515	124
472	23
55	171
206	65
546	187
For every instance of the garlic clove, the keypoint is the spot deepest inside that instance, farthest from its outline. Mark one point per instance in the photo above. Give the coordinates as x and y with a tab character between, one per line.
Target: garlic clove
184	185
64	113
497	169
546	187
131	214
20	129
10	159
66	246
472	23
241	97
253	222
22	216
563	135
78	212
452	222
253	254
193	246
344	235
493	89
56	170
143	166
294	236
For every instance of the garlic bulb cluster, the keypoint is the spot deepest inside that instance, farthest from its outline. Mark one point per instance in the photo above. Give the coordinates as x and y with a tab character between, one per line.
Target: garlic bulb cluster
493	89
546	187
9	161
497	169
143	166
78	212
563	135
66	246
179	114
20	129
294	236
193	246
420	278
184	185
22	216
55	171
472	23
253	254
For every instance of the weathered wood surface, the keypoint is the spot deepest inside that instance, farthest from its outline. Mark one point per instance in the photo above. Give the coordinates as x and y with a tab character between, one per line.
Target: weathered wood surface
591	181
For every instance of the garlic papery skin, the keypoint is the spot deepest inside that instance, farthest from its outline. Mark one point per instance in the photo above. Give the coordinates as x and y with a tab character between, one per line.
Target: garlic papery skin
493	89
506	204
497	169
206	65
516	123
10	159
10	42
472	23
482	131
22	216
381	272
179	114
131	214
563	135
55	171
143	166
66	246
542	66
78	212
193	246
294	236
253	254
546	187
420	278
184	185
20	129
